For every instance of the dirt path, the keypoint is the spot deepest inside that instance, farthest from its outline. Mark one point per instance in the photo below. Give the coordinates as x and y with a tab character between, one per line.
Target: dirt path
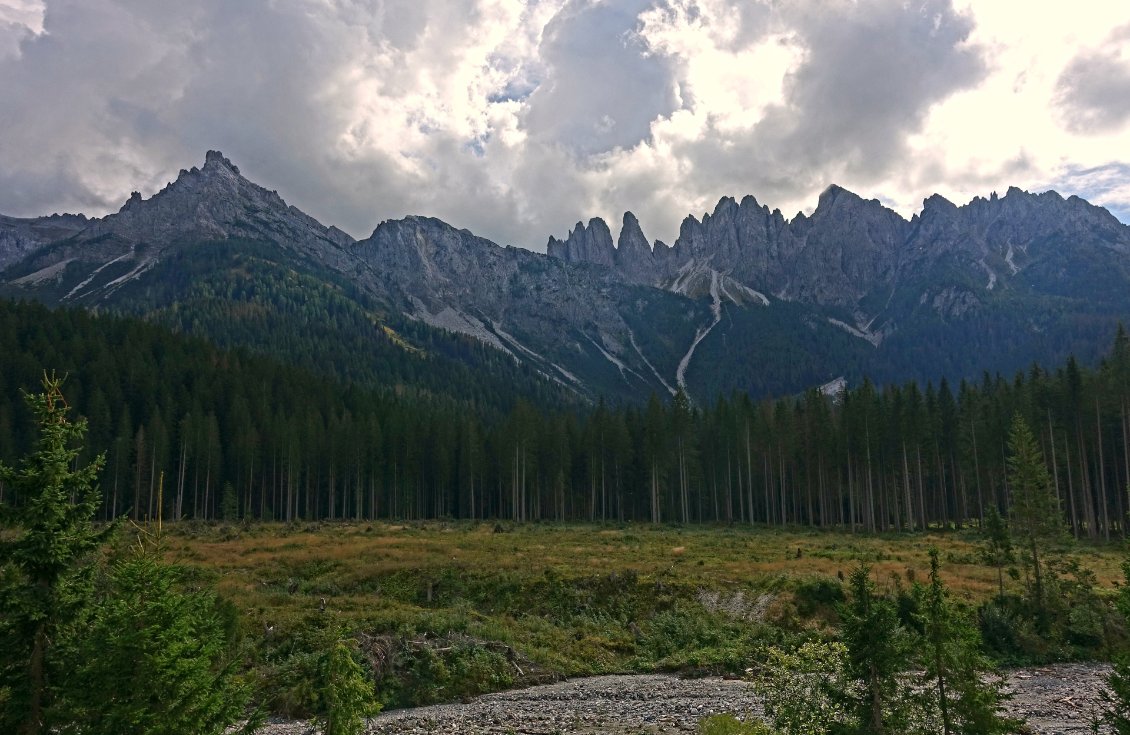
1055	700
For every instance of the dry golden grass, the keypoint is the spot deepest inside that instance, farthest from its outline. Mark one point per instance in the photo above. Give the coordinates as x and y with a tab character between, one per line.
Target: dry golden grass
567	599
250	563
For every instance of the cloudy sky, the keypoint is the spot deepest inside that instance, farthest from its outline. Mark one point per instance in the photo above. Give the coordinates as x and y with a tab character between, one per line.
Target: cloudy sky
516	118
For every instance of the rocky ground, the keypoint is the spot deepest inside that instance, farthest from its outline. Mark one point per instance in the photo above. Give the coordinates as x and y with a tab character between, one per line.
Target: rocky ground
1054	700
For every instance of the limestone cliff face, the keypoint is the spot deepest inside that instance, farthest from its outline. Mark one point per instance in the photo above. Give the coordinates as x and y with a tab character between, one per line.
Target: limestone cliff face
585	244
563	318
851	250
19	237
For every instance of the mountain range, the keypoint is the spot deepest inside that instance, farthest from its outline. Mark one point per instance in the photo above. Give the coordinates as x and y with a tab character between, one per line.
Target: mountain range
744	299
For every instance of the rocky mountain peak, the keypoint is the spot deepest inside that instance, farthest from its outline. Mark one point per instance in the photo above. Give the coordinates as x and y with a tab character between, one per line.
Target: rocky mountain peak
591	244
212	203
634	257
829	196
215	159
131	203
937	202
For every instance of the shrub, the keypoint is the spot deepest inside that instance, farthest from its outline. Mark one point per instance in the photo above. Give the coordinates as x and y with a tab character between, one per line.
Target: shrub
729	725
346	696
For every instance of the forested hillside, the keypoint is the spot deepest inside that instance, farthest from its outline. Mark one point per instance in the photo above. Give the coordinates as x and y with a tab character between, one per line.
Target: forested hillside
241	436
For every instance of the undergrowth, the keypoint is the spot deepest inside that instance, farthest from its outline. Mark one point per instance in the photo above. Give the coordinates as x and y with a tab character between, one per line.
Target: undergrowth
445	611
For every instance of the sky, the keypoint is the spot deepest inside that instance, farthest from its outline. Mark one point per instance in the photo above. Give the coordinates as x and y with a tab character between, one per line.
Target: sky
517	118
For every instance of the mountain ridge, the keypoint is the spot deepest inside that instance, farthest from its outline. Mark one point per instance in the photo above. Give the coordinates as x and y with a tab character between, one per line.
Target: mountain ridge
743	299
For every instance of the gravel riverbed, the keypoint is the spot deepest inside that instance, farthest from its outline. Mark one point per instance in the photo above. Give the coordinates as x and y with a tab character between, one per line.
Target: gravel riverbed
1054	700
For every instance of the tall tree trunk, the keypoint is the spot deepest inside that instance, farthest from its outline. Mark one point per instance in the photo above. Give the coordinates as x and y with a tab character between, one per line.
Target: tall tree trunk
1102	471
1071	488
906	489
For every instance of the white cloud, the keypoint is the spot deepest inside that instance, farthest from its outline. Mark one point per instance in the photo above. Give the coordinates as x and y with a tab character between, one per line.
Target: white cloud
517	118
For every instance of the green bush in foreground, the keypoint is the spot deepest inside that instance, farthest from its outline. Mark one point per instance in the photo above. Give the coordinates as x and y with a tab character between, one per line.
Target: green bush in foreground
804	690
87	649
154	659
866	685
347	697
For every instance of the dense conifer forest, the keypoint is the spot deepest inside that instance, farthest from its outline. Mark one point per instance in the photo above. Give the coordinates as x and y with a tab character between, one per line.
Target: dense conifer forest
229	435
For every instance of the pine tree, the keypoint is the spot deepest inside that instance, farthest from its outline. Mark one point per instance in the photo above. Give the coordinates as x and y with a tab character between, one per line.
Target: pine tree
967	698
1037	518
44	566
878	652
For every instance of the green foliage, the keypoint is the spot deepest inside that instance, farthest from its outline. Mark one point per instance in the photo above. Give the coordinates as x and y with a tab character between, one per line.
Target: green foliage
730	725
1037	518
45	564
878	651
997	550
154	659
346	695
865	684
806	691
818	594
1116	697
290	661
229	503
425	675
88	650
295	443
962	689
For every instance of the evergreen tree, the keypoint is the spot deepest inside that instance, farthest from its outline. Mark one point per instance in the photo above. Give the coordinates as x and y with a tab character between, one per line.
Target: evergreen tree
1116	698
998	545
1037	519
967	699
879	651
45	572
154	660
347	697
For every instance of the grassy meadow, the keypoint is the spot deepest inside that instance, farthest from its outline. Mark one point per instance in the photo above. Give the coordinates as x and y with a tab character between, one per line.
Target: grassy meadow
448	610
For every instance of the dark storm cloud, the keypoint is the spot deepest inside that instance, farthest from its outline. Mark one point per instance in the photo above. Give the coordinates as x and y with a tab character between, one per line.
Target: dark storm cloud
871	72
602	89
341	106
1093	92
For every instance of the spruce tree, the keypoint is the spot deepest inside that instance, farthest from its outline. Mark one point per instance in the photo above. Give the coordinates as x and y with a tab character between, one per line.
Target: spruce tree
998	545
44	565
1116	696
154	659
879	651
1037	518
960	679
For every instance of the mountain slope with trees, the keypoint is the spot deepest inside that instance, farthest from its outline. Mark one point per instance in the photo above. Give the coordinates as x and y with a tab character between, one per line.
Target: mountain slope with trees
242	436
744	300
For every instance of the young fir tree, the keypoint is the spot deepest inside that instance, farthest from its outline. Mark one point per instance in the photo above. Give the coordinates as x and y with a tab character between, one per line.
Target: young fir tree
998	545
958	678
1037	518
154	660
347	697
879	651
45	568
